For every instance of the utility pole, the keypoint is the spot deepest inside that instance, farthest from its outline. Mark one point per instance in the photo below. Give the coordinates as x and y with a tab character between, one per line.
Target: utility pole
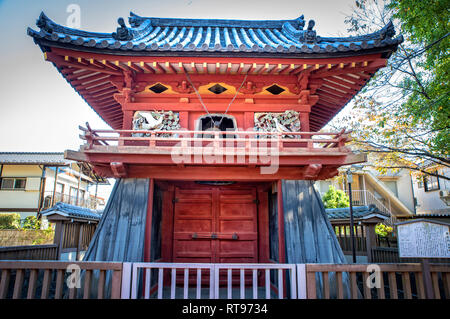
352	235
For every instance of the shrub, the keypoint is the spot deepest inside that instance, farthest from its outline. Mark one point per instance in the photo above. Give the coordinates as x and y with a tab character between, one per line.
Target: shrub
31	222
334	198
9	221
382	230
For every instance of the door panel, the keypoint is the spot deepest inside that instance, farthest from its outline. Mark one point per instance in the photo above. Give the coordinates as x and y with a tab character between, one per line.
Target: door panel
215	225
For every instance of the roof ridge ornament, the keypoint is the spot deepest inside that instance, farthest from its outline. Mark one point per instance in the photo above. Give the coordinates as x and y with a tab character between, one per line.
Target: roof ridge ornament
44	23
135	21
122	33
309	35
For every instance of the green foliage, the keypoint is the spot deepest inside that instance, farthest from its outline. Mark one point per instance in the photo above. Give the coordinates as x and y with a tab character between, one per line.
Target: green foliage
9	221
334	198
31	222
382	230
401	117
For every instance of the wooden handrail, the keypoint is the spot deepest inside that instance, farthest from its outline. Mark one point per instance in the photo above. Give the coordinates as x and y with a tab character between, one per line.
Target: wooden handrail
93	138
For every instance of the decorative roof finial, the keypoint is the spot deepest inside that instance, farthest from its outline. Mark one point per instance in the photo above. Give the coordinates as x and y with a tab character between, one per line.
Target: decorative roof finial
310	34
134	20
44	23
122	34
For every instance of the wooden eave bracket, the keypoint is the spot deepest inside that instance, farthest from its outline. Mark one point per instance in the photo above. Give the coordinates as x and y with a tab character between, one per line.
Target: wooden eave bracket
118	169
355	159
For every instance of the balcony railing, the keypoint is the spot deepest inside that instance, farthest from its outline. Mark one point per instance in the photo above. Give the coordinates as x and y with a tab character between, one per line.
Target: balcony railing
233	142
91	203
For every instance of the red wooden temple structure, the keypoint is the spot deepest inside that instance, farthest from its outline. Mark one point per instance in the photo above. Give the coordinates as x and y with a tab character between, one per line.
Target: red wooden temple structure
215	115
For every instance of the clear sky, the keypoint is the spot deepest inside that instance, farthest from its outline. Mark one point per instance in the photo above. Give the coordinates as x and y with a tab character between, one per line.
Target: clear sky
39	110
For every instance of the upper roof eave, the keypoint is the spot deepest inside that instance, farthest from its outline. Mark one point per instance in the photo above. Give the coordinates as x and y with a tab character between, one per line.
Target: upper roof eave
213	37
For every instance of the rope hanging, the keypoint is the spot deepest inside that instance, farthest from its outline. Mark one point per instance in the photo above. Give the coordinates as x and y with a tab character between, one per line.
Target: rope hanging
216	124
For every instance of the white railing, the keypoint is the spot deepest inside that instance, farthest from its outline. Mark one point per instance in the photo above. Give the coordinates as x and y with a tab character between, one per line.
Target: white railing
366	198
213	281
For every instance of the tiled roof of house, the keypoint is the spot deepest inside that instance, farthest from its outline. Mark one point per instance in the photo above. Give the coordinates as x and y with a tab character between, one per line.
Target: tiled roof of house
214	36
72	211
53	158
359	212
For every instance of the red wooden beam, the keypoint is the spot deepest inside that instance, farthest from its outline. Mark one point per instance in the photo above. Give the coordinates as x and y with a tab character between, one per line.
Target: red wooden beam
118	169
200	60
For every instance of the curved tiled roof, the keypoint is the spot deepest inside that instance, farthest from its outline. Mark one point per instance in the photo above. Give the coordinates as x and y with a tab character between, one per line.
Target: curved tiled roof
72	211
50	158
147	35
358	212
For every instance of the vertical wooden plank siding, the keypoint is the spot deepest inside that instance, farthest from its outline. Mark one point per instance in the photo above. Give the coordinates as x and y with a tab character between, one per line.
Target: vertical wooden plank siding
173	282
229	285
280	284
340	285
393	285
354	287
45	283
419	284
101	284
267	283
311	284
87	284
435	284
116	284
326	285
59	283
255	284
406	285
186	283
160	282
32	284
242	284
367	292
4	283
199	284
18	284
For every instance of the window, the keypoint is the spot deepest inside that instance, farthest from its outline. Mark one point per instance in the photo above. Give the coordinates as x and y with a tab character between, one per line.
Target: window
431	183
392	185
13	183
60	188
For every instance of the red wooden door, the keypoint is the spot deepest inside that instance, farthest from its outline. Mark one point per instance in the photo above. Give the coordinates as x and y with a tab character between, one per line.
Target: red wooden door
215	225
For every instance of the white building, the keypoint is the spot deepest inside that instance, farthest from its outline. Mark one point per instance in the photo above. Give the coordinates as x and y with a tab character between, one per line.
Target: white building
433	193
31	182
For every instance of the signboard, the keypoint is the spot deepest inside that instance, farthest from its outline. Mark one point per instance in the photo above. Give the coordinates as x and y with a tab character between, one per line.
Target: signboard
422	239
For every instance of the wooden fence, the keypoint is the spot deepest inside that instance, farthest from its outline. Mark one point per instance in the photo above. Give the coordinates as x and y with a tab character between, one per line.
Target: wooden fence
48	280
45	280
396	281
391	255
34	252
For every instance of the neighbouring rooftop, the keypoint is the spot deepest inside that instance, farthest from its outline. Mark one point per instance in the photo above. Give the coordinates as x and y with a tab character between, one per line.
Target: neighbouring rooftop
72	211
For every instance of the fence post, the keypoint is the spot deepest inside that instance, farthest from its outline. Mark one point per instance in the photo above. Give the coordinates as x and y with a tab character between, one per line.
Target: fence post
301	281
126	280
428	285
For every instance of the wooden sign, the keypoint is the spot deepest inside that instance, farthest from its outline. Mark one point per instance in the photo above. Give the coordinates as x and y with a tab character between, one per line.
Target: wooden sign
423	239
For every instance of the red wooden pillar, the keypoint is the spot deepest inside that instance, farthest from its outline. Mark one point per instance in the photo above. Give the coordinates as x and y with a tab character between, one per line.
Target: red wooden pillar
304	121
148	221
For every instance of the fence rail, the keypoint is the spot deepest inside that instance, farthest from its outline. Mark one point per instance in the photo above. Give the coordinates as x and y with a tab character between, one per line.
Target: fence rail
48	280
30	252
393	281
237	280
20	279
